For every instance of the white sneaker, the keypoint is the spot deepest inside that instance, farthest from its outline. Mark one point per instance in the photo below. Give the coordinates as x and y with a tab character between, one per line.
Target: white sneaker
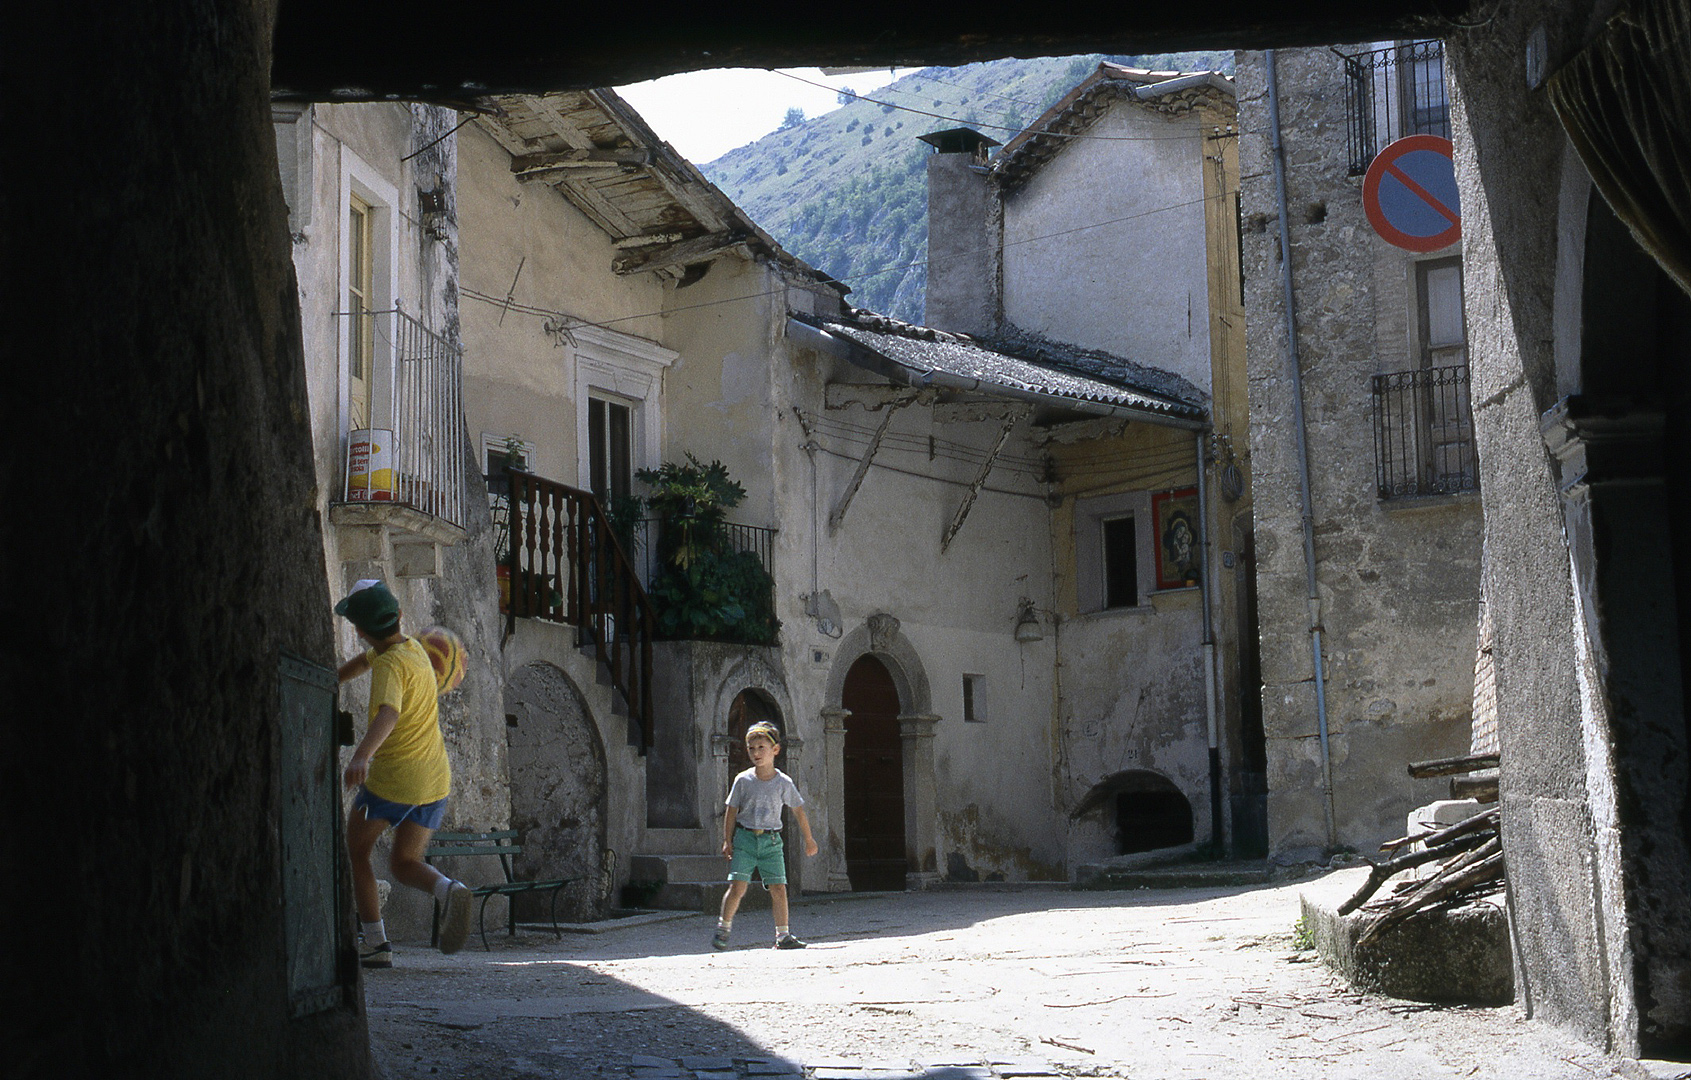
455	920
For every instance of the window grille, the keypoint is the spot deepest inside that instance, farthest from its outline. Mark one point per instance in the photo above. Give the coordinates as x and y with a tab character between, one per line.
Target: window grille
1424	433
1393	92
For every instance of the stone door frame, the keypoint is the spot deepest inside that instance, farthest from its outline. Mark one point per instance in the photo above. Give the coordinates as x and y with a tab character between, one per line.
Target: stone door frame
880	636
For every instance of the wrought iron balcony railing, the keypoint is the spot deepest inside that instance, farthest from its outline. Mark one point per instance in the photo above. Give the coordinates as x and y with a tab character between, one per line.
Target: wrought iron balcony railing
565	565
1393	92
412	451
1424	433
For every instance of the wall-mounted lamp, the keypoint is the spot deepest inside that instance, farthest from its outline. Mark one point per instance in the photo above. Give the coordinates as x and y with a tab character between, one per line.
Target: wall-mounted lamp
1027	624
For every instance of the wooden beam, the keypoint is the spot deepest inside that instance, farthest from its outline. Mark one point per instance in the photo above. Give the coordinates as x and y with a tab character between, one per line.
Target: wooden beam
562	174
1452	766
872	397
839	511
962	514
562	158
698	249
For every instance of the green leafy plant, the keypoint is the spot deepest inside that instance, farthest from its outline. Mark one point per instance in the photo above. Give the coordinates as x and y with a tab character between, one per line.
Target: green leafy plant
705	589
1303	936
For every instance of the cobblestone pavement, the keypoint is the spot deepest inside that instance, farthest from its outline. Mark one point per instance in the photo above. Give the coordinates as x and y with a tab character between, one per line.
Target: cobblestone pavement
980	984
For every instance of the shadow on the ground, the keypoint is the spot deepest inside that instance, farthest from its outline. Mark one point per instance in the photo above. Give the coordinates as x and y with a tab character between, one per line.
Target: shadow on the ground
827	919
549	1018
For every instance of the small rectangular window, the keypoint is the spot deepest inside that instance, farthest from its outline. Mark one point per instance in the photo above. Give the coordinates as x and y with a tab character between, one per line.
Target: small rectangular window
610	449
1121	563
971	699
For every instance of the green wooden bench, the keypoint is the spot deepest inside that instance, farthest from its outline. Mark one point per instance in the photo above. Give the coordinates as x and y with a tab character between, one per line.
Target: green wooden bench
503	845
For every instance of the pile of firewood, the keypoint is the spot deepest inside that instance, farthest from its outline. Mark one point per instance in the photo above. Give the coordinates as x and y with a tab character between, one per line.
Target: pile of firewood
1469	854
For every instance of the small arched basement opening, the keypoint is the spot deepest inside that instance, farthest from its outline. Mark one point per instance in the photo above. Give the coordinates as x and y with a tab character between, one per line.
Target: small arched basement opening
1148	811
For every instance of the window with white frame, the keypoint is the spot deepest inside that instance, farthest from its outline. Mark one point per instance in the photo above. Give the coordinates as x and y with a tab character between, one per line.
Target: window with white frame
368	287
1113	551
500	451
619	403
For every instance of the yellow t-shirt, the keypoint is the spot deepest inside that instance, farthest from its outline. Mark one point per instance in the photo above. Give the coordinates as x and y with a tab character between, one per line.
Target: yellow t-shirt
410	766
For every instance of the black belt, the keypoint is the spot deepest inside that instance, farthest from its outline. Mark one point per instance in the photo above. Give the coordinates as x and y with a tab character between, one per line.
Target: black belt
757	832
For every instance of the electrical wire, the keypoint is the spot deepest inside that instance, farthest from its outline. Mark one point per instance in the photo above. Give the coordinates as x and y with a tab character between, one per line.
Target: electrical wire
983	124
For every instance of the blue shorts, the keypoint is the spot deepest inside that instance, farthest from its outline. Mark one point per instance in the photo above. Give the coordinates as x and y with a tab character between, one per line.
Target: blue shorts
758	851
376	808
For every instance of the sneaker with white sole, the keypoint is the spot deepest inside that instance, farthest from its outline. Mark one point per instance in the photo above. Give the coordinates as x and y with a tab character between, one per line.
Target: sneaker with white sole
375	956
455	919
788	941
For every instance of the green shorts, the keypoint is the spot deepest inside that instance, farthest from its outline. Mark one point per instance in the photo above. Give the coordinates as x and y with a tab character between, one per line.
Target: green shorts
758	851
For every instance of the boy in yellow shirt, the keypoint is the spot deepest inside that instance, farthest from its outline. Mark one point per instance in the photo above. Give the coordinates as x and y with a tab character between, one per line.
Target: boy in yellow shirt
401	773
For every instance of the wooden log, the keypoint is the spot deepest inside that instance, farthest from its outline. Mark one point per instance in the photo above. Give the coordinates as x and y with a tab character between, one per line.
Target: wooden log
1383	871
1479	788
1451	766
1483	873
1480	866
1485	819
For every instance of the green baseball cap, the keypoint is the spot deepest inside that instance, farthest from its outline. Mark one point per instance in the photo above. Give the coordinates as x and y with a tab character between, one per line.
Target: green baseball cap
371	608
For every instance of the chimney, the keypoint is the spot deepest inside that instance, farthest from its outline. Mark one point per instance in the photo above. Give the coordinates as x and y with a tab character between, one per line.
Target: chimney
965	230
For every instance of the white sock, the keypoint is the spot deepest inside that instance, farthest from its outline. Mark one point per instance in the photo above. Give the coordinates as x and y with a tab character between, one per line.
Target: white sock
374	932
724	924
780	932
442	888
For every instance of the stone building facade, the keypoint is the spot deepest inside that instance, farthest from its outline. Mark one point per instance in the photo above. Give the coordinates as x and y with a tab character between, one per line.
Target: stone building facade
1392	480
372	213
1107	228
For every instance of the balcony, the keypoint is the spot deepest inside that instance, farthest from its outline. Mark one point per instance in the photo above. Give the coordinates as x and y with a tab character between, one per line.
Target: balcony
1393	92
1424	433
405	469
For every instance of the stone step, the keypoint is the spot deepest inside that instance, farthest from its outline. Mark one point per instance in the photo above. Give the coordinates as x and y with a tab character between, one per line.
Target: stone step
1179	876
677	868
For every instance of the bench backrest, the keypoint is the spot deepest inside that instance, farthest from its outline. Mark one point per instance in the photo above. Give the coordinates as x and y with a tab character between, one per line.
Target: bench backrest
501	842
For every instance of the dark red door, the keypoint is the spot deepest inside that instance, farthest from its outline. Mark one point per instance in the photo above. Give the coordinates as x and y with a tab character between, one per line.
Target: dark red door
874	779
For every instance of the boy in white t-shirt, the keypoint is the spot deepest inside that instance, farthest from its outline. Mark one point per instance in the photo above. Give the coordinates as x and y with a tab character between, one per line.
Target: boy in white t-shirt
751	834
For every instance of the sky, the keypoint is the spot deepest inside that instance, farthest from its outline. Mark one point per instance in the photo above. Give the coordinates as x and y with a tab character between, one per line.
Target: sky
705	114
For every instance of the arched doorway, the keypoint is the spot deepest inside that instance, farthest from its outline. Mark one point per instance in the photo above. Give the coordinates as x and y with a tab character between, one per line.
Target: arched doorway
752	707
874	779
558	788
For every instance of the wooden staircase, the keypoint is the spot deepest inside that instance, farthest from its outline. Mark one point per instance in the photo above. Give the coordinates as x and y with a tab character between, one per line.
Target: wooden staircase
567	566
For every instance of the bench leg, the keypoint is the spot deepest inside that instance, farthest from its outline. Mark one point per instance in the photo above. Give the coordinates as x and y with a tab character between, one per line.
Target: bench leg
481	921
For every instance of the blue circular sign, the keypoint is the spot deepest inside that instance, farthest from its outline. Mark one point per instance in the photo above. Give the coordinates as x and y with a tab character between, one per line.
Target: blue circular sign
1410	194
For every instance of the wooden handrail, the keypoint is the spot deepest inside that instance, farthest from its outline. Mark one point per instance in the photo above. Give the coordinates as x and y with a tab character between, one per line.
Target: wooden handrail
567	566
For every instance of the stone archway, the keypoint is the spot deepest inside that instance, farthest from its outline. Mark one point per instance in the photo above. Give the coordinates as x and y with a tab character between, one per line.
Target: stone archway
558	785
880	637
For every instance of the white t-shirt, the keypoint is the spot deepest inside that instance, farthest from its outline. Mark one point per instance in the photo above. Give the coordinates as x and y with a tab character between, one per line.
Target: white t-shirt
758	802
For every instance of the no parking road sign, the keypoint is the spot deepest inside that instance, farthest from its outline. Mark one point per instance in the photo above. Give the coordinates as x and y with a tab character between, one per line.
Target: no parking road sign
1410	194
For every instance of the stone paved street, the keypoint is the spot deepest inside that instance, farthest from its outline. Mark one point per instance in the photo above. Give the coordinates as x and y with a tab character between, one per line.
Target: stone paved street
962	985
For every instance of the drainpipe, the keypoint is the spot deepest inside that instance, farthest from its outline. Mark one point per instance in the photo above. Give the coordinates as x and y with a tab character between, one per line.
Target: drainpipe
1303	449
1206	593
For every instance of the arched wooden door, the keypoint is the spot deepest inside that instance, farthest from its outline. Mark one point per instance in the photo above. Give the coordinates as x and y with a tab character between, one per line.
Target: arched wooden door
874	779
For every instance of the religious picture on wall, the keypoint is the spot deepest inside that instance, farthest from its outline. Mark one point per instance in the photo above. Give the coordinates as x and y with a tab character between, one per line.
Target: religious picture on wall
1175	517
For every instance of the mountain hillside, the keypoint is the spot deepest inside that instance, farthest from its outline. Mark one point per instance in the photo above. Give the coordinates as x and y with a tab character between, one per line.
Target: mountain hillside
847	191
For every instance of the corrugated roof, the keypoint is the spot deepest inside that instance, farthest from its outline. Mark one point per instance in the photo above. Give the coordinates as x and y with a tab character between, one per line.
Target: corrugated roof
1020	366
